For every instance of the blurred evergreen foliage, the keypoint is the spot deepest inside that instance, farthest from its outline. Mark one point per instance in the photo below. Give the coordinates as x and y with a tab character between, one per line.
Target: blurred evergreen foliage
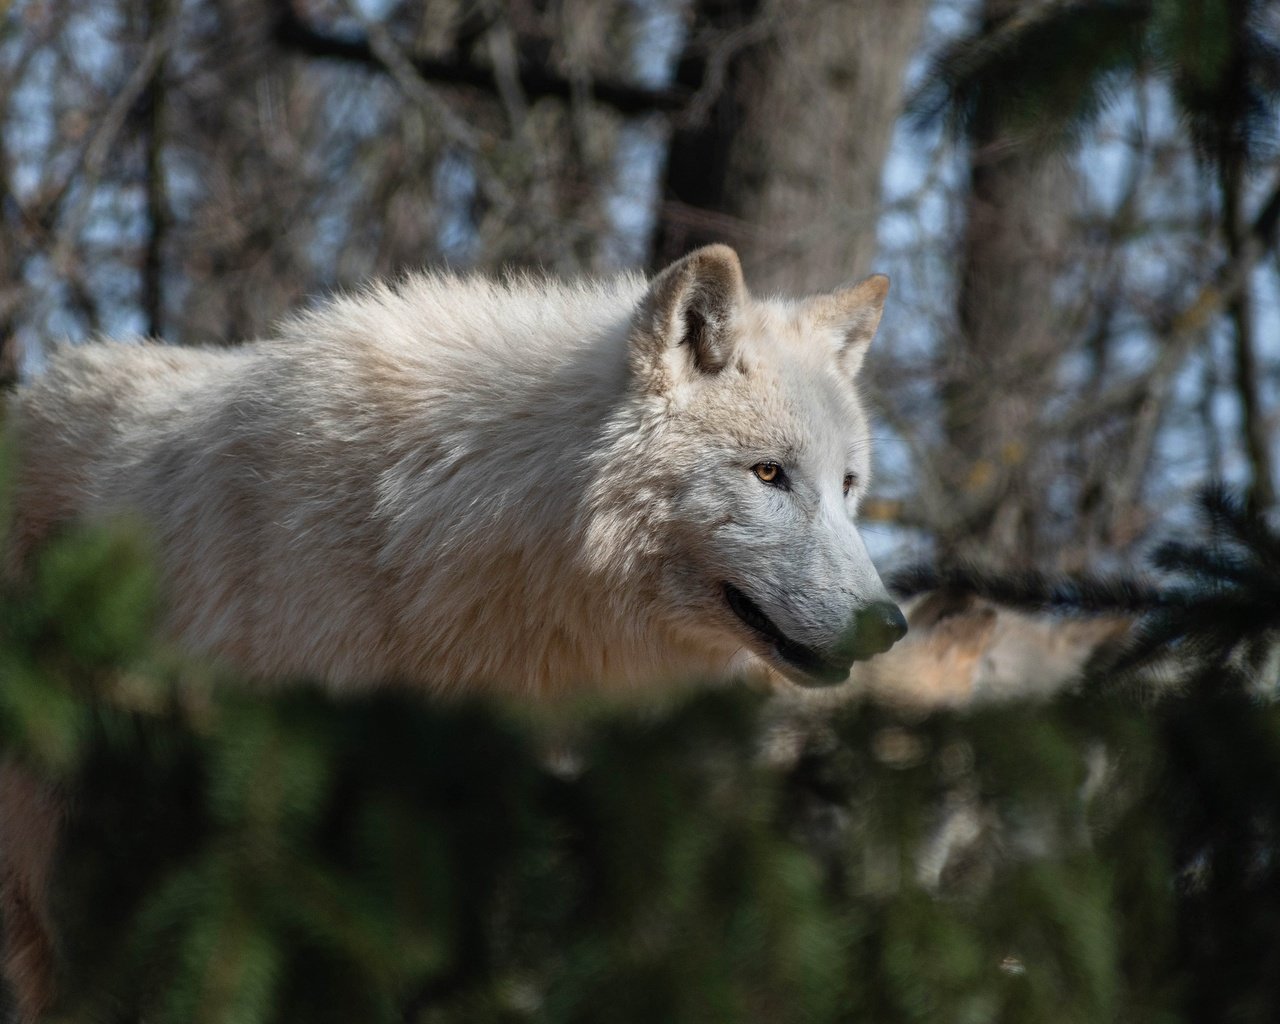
287	856
1043	72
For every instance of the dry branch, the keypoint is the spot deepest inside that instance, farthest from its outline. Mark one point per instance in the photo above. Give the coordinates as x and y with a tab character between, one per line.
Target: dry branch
535	80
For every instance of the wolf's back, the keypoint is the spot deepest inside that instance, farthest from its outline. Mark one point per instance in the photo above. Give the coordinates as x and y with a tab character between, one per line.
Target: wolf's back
69	424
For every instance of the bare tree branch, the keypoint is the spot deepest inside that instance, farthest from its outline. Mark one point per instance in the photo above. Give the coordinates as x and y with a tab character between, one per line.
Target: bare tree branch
99	148
1256	436
536	80
1180	333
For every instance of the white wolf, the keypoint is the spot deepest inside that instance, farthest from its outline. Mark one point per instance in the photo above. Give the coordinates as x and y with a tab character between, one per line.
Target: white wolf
462	485
519	487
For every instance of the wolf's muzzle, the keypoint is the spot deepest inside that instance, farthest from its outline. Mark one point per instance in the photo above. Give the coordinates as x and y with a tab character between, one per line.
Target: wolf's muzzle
874	629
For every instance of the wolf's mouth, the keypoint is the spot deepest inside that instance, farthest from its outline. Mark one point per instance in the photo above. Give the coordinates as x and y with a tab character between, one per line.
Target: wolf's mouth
797	655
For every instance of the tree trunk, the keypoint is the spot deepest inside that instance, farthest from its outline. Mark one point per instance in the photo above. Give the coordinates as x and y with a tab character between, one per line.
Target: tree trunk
1000	370
786	166
806	167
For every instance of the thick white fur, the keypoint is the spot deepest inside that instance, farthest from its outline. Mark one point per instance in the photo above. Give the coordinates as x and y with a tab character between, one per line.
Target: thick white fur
525	486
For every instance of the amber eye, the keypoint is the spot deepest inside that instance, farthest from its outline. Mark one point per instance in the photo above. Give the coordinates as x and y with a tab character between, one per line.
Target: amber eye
849	480
768	472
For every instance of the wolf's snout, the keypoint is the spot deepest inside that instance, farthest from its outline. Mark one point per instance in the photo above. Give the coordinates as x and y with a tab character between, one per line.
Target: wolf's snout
877	627
872	630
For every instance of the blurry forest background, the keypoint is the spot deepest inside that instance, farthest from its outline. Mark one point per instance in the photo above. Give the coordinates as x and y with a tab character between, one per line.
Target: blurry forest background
1078	202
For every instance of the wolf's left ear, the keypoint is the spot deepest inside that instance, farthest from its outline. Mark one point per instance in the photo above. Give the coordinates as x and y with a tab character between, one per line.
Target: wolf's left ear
853	314
692	306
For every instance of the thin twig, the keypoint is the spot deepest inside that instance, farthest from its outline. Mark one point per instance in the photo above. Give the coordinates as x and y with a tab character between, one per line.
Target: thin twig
1181	333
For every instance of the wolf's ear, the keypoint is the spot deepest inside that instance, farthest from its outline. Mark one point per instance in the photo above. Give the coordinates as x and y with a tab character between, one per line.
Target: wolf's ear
692	305
853	313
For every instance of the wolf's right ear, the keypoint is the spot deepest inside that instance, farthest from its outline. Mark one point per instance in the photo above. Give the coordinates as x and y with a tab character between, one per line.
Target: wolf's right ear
690	310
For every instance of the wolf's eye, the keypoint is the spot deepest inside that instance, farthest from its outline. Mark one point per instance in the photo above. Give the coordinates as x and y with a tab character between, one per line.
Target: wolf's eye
849	480
770	473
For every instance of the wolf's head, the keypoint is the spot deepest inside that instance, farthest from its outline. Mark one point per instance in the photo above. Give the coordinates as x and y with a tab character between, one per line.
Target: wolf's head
756	453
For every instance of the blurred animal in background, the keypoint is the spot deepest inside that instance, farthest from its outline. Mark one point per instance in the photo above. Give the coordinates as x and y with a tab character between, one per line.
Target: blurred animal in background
965	648
962	649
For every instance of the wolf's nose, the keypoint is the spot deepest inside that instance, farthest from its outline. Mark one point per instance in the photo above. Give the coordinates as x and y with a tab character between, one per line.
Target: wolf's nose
878	627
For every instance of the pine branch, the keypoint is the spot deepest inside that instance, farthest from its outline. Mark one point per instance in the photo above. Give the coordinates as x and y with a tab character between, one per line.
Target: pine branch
1035	591
1213	616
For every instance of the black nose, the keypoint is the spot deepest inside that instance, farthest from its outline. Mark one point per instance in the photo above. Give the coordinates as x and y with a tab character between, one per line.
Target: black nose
878	627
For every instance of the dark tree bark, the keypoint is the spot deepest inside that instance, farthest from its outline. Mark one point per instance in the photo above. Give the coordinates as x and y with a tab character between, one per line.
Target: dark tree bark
696	204
158	215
